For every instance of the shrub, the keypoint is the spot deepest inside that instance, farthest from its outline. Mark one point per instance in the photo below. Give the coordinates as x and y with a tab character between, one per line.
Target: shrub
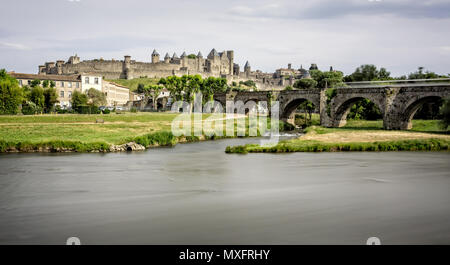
305	83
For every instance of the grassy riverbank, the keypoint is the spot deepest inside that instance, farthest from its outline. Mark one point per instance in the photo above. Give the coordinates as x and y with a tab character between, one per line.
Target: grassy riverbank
359	136
82	133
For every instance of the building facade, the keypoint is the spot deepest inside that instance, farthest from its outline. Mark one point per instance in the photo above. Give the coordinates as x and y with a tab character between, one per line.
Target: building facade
65	85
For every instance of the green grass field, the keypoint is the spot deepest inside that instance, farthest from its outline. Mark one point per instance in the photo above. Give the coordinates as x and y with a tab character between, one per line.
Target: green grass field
83	133
132	84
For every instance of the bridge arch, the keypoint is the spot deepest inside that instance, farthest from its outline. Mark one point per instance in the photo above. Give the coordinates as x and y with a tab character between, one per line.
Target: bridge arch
344	105
287	110
411	109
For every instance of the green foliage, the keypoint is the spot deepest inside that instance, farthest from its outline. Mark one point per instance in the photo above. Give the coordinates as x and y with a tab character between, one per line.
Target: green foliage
35	83
420	74
29	108
368	72
96	97
78	100
305	83
249	83
364	110
159	138
299	145
45	83
288	88
37	97
51	98
192	56
328	79
187	86
133	84
11	95
133	110
445	112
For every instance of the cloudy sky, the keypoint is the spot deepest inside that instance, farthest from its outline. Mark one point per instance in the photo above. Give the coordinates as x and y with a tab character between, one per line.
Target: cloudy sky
397	34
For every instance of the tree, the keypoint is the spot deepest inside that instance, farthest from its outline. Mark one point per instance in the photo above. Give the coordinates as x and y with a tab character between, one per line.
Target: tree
78	100
173	84
51	98
37	97
420	74
288	88
11	95
364	110
327	79
35	83
45	83
308	108
96	97
305	83
445	112
152	91
368	72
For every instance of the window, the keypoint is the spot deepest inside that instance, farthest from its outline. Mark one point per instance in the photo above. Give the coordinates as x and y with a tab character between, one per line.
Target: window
61	94
96	81
69	94
69	84
62	83
86	80
29	82
78	85
20	82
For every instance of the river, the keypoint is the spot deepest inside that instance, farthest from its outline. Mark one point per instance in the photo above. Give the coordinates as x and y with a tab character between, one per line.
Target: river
196	194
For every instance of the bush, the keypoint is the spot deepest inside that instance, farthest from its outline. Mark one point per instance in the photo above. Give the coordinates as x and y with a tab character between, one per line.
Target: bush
106	111
133	109
305	83
30	108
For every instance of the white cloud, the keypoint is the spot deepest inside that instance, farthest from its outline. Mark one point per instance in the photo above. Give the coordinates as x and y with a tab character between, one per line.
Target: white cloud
14	46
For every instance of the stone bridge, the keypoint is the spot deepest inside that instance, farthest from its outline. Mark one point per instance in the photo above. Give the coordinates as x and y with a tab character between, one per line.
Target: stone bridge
397	102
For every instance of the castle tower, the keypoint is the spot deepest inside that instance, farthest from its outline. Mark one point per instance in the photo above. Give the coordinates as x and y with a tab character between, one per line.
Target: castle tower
247	68
126	67
59	65
213	54
155	57
167	58
199	55
41	70
183	59
230	55
313	67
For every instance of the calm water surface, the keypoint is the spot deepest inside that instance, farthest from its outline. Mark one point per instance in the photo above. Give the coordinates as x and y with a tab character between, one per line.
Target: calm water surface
197	194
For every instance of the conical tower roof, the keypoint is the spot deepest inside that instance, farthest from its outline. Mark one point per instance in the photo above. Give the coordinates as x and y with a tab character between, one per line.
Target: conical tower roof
200	55
167	56
183	55
174	56
155	53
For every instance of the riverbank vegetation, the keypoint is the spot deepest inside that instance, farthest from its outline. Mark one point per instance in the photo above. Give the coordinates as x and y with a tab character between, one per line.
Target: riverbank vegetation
97	133
359	135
